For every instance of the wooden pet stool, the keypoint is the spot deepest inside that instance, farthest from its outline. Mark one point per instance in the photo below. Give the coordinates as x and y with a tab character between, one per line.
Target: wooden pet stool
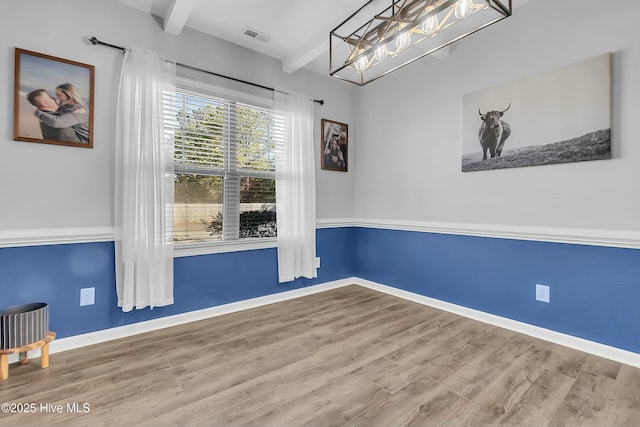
24	357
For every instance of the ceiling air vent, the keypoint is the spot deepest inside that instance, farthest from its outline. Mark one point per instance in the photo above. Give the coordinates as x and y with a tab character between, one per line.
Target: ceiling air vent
255	34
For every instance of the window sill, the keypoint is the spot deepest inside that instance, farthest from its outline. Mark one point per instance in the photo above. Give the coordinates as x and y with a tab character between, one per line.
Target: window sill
195	249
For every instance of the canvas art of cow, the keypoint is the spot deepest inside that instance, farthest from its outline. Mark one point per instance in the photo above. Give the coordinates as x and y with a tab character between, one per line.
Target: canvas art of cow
493	132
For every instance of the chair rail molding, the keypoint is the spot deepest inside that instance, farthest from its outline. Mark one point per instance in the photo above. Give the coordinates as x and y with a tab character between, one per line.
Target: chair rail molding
577	236
55	236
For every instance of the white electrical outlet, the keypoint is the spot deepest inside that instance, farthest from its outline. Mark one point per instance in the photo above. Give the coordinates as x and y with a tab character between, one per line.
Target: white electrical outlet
87	296
317	262
543	293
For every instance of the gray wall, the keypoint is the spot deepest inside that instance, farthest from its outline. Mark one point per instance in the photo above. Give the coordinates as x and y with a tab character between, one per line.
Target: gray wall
409	127
405	129
47	186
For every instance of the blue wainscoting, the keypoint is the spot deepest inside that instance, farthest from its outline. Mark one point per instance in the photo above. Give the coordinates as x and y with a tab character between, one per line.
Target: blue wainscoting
55	274
595	291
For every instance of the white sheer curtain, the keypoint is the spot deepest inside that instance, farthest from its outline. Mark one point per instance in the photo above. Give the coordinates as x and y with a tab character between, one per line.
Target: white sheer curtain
296	189
144	183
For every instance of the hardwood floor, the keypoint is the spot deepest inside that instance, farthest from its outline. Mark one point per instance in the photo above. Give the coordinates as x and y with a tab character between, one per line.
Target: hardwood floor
347	357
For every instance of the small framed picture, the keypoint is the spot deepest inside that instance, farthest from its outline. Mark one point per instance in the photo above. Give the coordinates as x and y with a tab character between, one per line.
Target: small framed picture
335	146
53	100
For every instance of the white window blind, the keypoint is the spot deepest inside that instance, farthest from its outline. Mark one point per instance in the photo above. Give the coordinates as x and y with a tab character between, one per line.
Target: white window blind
224	167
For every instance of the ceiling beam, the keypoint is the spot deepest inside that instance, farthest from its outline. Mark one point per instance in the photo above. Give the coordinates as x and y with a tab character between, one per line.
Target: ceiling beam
312	49
319	45
177	14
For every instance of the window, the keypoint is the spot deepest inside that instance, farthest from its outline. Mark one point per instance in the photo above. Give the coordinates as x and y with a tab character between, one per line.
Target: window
224	159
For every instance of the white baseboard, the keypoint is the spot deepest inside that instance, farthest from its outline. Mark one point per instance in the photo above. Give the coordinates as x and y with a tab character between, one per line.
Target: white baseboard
591	347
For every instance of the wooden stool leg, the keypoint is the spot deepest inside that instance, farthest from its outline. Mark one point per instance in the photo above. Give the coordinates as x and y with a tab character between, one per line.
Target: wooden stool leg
24	358
44	361
4	366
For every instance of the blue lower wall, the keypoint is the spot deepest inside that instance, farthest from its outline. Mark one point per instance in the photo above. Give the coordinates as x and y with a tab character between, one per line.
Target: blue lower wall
595	291
55	274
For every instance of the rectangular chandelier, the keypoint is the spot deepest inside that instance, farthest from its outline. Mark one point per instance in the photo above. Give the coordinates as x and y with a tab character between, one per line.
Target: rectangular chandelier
364	48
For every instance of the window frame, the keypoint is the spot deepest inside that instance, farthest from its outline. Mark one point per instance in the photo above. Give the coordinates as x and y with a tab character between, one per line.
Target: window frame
186	85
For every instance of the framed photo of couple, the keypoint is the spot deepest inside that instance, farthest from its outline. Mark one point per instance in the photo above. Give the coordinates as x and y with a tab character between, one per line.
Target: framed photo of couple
53	100
335	146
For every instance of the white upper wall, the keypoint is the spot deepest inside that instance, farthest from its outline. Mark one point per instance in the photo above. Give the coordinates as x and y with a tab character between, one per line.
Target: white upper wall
48	186
405	129
409	127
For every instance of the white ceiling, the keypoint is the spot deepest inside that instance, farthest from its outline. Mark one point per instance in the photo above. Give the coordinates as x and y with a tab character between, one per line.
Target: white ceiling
298	29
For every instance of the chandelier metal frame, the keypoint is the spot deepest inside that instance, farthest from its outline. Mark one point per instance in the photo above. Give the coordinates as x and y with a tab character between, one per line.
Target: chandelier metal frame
363	49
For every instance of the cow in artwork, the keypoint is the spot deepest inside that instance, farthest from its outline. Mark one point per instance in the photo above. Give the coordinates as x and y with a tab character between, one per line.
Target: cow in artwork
493	132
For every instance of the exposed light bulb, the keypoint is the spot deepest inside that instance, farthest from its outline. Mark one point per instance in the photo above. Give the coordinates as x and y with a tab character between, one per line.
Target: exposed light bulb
463	8
431	24
381	52
403	41
361	64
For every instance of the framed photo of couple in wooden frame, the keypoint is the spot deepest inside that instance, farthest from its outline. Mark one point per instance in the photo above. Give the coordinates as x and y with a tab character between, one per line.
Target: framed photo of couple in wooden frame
335	146
53	100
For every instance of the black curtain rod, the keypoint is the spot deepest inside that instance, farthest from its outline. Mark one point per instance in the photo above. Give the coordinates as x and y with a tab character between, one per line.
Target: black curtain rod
95	41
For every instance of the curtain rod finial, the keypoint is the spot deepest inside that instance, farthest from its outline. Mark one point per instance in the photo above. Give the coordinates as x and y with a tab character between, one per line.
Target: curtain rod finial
93	40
